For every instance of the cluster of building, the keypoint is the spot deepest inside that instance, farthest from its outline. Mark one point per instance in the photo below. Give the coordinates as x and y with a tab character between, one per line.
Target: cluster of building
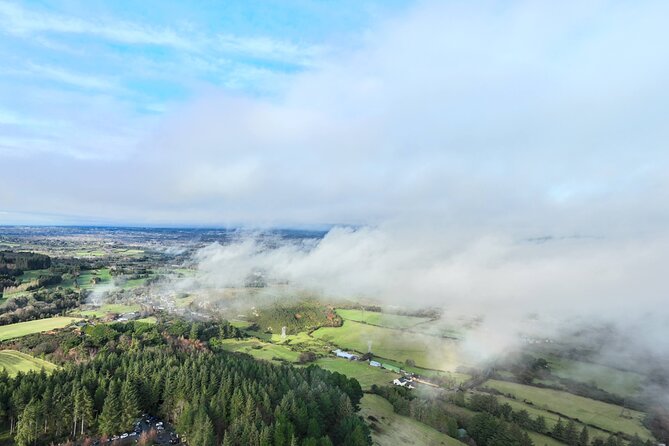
407	380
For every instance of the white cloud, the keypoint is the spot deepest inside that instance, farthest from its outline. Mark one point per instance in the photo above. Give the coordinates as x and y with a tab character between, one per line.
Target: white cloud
527	119
20	21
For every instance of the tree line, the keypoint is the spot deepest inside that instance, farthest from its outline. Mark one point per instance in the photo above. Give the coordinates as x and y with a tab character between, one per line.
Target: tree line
211	398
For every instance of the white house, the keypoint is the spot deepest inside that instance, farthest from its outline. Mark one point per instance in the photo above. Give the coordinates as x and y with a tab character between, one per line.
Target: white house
403	382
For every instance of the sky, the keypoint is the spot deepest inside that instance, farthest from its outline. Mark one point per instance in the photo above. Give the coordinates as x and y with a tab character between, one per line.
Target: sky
524	117
496	156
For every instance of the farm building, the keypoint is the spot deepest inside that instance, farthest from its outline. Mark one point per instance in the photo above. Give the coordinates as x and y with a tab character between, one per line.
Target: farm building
403	382
391	367
346	355
375	363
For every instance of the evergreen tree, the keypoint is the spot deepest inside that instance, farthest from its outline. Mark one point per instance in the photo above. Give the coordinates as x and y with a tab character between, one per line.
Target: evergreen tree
85	410
583	438
110	418
571	434
558	430
540	424
130	404
27	429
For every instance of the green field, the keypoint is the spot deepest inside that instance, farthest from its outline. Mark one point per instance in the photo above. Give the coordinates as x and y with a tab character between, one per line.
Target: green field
14	362
260	350
427	351
543	440
614	381
360	370
597	413
148	320
382	319
25	328
551	418
392	429
27	276
104	310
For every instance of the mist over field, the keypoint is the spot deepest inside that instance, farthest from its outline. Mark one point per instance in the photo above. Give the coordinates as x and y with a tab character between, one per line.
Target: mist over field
549	288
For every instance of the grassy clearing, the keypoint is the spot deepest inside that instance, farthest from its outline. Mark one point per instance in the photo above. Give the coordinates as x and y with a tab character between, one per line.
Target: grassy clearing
15	362
148	320
614	381
360	370
90	253
184	301
597	413
133	283
260	350
392	429
25	328
27	276
240	324
106	309
382	319
427	351
85	279
130	252
544	440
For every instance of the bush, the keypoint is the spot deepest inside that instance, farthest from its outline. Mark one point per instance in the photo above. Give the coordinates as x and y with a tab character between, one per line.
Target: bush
307	357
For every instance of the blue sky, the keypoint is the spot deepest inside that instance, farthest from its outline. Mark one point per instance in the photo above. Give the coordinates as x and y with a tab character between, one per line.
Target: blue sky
516	116
139	59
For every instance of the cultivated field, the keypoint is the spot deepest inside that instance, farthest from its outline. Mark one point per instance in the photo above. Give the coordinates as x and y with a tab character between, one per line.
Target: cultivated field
396	430
15	362
25	328
427	351
596	413
381	319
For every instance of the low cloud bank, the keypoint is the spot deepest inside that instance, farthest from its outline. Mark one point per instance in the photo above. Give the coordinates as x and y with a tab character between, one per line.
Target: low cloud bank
547	287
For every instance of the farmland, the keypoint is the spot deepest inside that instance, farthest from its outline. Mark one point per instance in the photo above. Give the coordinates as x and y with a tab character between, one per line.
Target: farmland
362	371
550	417
544	440
25	328
13	362
260	350
106	309
392	429
597	413
614	381
393	344
381	319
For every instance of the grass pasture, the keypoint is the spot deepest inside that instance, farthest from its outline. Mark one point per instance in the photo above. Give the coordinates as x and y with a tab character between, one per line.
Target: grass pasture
427	351
27	276
543	440
260	350
392	429
614	381
589	411
360	370
551	418
25	328
14	362
382	319
105	309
